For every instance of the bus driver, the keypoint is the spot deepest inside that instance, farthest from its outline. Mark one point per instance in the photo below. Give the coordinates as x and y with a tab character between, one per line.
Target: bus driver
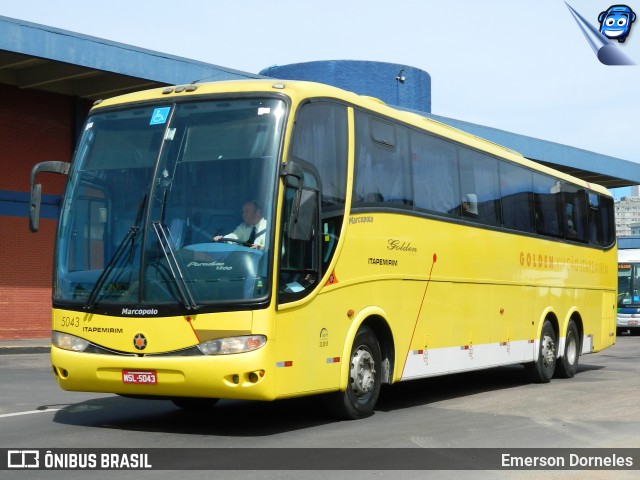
253	229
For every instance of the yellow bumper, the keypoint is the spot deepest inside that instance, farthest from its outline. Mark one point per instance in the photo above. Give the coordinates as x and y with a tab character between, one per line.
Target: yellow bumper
242	376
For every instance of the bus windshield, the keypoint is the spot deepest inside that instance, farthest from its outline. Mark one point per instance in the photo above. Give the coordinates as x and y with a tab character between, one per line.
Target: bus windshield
628	284
150	188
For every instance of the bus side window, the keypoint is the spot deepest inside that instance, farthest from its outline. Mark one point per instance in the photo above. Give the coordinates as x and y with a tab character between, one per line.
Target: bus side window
600	212
575	212
480	185
516	187
320	142
320	139
436	186
547	202
382	171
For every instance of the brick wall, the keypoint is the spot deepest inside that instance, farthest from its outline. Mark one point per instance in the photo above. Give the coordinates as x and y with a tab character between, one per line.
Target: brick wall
25	280
36	126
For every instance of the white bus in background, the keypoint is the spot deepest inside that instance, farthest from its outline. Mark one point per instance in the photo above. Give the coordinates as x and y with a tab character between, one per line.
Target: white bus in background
628	290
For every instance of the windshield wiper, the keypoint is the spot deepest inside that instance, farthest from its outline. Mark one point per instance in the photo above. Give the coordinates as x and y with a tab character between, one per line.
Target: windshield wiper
174	267
130	236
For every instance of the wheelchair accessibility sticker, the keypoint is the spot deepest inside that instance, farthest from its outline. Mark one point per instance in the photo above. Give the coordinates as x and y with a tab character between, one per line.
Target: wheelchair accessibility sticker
160	116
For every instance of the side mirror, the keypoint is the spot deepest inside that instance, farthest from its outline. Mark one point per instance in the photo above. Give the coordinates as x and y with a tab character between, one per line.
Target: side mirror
293	174
303	215
36	189
34	207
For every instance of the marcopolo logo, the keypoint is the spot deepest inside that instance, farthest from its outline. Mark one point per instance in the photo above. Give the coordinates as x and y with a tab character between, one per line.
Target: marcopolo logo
140	311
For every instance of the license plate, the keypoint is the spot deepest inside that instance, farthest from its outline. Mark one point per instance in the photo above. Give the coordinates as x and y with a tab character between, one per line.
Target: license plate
633	322
138	377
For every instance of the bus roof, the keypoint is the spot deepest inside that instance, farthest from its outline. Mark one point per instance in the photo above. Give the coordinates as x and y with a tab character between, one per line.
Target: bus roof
301	90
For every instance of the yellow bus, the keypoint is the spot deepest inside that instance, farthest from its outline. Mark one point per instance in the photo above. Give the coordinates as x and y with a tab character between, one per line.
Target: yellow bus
389	247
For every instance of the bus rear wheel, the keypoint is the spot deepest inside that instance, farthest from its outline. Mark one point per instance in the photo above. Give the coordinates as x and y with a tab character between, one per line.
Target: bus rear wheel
541	370
568	363
365	373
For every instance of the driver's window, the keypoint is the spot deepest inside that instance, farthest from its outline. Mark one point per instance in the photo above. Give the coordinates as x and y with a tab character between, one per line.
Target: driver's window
299	263
320	145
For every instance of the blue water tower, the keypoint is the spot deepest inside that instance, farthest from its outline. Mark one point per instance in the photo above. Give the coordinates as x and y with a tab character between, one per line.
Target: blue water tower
393	83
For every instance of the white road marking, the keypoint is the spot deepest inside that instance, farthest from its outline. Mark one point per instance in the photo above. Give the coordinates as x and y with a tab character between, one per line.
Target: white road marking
30	412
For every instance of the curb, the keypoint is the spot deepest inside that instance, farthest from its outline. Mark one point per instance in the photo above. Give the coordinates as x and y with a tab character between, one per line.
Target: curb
24	349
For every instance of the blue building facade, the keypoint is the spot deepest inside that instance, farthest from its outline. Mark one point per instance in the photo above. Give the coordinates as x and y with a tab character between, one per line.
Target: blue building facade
395	84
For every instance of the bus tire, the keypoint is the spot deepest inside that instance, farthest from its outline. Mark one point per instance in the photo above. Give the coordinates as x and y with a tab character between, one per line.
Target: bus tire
365	373
568	364
189	403
541	370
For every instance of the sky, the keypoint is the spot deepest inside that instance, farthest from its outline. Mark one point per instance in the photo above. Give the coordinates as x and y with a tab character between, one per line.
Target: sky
518	65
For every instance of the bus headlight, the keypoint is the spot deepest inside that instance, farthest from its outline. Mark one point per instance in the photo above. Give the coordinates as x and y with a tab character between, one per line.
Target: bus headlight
226	346
67	341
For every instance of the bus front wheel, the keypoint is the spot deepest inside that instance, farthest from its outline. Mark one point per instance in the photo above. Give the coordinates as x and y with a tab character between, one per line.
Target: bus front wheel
365	373
541	370
568	363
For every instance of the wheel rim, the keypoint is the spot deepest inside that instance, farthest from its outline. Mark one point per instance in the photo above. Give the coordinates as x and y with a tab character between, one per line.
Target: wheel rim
548	351
363	370
572	349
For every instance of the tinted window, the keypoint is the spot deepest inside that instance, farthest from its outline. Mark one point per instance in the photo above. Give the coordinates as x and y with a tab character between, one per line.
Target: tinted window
574	210
447	179
435	174
382	173
546	192
320	138
601	223
383	133
516	187
479	187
